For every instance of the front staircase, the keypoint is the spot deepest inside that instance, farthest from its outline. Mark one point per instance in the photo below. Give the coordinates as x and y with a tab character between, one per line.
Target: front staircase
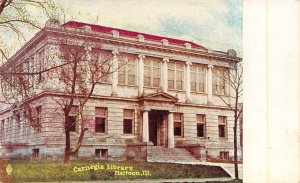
170	155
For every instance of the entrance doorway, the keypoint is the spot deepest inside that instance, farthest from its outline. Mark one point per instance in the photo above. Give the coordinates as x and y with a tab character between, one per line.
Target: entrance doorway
157	129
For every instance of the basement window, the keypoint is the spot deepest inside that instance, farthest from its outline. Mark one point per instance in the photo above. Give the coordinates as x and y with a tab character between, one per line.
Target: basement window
35	153
101	153
224	155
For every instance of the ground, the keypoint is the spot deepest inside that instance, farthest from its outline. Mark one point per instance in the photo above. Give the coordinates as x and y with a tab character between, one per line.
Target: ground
32	171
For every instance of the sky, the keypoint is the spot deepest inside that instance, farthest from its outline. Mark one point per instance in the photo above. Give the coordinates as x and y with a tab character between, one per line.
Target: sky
214	24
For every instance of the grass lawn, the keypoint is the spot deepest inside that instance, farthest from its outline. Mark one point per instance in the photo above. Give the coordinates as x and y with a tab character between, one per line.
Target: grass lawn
31	171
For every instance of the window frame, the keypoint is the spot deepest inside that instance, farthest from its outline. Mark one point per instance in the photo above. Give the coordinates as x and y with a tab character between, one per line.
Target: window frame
200	70
224	155
74	111
198	122
2	129
129	118
102	117
175	79
219	85
99	153
124	62
35	153
38	128
224	125
181	121
152	68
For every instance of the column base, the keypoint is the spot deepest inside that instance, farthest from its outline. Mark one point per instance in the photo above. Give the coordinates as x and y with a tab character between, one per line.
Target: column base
188	101
114	94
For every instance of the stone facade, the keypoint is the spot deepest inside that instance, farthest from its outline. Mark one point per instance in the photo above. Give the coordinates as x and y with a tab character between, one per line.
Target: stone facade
167	109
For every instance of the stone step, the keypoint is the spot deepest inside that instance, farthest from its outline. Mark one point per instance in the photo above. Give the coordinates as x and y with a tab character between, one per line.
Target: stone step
160	154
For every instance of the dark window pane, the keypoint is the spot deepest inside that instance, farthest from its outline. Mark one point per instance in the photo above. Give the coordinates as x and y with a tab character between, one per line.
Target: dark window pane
127	126
221	131
100	125
71	124
156	82
121	79
147	81
131	79
177	129
200	130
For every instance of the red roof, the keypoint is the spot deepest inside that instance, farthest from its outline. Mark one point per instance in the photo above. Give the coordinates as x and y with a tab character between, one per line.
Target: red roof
131	33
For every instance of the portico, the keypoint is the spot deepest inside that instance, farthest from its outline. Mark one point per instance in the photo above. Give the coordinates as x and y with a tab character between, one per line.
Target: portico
157	122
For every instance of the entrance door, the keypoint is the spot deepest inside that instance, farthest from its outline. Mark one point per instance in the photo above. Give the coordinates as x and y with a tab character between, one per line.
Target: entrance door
155	127
153	131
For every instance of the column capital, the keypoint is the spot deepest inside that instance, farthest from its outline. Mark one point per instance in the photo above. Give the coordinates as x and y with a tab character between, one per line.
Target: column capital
188	63
166	59
141	56
115	52
210	66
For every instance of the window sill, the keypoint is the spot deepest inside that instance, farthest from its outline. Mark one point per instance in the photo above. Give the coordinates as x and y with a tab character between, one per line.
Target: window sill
127	136
223	138
173	90
149	87
199	93
124	85
223	95
100	134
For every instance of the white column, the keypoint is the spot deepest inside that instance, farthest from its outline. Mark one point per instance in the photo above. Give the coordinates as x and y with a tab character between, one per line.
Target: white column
141	74
170	130
145	127
209	84
165	74
114	72
188	82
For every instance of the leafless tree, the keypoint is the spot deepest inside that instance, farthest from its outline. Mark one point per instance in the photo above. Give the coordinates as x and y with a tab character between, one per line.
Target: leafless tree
233	77
87	66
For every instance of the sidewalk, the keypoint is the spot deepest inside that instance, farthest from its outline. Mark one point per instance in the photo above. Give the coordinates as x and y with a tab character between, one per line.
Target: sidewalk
228	167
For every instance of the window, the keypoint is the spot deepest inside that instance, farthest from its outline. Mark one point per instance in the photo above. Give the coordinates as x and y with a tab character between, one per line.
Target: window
178	124
72	118
40	65
222	126
2	128
31	70
38	119
224	155
152	72
201	120
101	63
175	76
18	125
100	119
101	153
219	81
127	70
128	121
35	153
198	78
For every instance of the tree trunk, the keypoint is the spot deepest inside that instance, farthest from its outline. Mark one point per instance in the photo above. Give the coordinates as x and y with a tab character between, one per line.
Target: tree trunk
68	142
236	170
